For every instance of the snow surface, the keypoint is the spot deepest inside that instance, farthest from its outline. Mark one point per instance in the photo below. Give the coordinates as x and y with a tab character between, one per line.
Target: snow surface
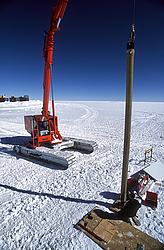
39	205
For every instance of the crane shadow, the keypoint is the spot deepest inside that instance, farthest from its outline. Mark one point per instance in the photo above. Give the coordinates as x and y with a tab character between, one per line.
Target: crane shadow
58	197
15	140
21	140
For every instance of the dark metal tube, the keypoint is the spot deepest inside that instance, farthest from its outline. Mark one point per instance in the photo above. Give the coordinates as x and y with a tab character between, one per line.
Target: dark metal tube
128	114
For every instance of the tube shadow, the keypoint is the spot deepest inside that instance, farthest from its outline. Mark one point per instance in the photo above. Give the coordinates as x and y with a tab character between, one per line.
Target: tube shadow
110	195
59	197
110	216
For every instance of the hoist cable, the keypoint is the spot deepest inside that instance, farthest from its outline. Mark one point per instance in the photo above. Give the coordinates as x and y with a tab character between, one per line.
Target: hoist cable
134	12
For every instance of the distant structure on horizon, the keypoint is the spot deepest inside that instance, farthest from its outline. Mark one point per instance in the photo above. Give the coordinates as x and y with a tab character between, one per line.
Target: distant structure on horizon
14	98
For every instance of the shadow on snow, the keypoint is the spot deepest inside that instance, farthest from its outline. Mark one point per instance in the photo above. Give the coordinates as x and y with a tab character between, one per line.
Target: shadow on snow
15	140
110	195
59	197
22	140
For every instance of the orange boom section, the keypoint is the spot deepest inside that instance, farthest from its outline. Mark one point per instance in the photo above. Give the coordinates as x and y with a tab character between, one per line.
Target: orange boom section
56	18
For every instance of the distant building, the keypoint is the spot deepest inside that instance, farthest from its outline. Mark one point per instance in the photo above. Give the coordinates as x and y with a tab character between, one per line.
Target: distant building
3	98
23	98
14	98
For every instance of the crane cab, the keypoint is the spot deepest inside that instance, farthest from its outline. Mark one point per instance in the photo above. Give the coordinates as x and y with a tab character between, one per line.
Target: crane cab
42	129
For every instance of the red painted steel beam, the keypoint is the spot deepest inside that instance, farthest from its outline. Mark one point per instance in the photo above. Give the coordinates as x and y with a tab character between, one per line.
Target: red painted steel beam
57	15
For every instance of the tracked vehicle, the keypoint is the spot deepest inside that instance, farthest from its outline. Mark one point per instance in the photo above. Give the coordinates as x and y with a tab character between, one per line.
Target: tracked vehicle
43	128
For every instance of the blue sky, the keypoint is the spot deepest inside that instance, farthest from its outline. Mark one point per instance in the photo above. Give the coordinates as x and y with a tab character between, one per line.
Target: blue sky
90	49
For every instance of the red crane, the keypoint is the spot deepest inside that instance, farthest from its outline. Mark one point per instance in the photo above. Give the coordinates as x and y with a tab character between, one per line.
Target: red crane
44	127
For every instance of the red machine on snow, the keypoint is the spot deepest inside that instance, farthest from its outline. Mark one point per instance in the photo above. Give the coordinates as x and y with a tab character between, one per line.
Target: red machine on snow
44	127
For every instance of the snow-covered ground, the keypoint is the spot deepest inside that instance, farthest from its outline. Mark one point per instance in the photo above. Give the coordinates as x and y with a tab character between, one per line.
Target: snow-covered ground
40	205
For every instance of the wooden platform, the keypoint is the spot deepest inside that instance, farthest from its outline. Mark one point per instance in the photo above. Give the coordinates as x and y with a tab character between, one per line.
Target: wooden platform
111	233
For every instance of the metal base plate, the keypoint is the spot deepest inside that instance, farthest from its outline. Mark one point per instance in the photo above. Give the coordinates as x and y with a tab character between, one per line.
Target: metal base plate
109	232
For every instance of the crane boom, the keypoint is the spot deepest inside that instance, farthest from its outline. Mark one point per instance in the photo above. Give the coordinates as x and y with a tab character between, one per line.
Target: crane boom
57	15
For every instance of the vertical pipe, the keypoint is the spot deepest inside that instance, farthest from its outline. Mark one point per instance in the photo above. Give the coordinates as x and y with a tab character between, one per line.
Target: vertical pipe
128	113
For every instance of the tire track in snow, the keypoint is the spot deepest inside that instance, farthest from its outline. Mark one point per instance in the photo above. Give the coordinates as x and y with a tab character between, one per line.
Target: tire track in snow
90	115
83	126
149	128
